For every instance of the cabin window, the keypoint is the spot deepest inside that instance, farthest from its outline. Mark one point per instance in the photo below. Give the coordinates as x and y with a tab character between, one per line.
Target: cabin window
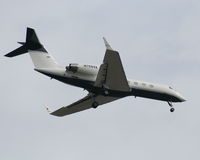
151	86
144	84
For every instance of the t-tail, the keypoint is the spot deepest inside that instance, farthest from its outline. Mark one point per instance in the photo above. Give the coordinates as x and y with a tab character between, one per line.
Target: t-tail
39	55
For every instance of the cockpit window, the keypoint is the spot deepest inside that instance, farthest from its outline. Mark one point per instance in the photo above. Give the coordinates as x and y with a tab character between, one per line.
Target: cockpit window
170	87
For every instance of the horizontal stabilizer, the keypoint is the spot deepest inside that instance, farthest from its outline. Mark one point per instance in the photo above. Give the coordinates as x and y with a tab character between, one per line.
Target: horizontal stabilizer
18	51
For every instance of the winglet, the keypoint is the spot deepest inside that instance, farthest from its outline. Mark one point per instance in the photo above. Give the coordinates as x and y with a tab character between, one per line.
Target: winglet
48	110
107	44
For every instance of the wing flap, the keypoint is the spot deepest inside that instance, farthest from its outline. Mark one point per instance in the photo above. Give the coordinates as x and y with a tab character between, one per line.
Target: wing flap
101	76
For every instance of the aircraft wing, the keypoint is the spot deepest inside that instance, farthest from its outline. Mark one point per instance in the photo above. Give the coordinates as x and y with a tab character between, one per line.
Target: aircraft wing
111	73
83	104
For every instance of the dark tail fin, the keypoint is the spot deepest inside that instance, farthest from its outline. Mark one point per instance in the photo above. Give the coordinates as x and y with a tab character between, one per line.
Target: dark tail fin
32	43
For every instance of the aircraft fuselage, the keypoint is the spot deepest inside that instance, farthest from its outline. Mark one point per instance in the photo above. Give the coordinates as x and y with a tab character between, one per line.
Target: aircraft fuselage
84	76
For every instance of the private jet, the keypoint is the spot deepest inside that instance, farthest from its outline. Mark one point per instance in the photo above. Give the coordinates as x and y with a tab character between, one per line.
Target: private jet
104	84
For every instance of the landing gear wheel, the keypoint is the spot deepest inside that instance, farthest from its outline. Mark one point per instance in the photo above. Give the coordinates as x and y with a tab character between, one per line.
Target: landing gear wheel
95	104
172	109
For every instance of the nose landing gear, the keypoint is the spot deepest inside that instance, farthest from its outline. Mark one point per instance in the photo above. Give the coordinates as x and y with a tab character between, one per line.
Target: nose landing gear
172	109
171	105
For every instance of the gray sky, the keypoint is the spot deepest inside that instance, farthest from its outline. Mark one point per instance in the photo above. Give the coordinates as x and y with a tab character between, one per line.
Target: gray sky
158	42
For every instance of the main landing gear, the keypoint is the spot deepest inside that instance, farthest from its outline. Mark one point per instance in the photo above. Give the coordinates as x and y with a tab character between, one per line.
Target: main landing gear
171	105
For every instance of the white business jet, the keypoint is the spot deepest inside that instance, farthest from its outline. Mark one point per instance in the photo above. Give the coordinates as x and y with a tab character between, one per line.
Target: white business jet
104	84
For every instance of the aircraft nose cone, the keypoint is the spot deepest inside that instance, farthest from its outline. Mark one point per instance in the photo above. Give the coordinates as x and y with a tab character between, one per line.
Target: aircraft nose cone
181	98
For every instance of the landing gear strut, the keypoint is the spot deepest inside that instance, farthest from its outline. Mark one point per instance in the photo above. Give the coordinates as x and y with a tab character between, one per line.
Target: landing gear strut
171	109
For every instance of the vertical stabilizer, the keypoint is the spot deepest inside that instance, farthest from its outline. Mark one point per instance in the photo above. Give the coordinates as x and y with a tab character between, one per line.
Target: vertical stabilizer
38	53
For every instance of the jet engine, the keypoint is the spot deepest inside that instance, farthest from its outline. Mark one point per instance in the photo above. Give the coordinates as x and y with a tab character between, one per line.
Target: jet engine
73	67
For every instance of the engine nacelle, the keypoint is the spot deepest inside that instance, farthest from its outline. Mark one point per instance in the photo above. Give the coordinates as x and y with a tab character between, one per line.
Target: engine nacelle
73	67
80	69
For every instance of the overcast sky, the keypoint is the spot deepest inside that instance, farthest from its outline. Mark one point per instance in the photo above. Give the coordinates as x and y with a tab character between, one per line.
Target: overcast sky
159	41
